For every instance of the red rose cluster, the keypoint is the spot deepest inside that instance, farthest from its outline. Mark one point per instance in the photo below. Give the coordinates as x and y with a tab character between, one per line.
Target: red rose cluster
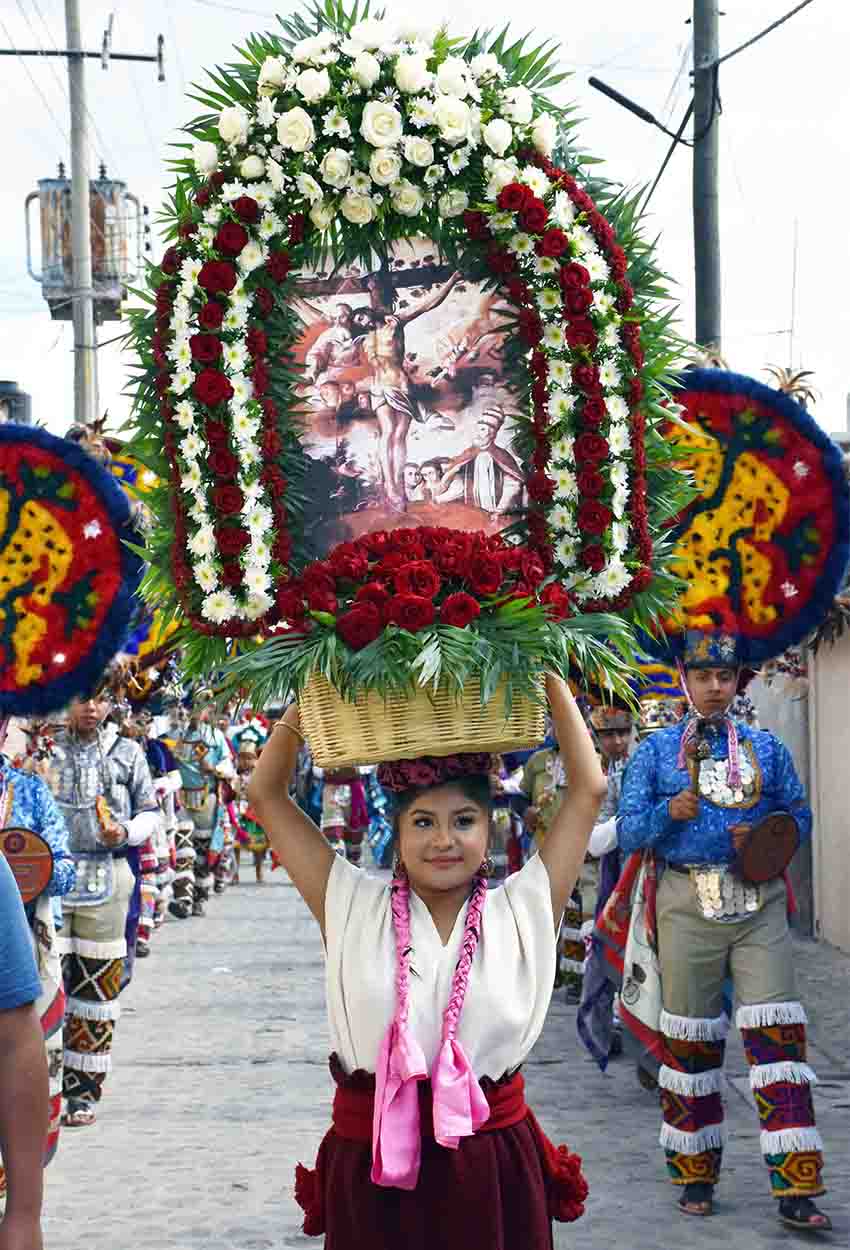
414	578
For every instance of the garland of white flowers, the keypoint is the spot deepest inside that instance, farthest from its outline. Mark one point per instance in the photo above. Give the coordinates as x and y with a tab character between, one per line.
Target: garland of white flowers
407	157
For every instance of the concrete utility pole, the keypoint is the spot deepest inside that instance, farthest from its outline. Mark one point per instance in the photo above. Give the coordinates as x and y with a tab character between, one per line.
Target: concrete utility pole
85	353
706	198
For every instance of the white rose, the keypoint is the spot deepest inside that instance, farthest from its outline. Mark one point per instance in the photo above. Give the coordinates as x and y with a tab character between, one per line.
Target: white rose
418	151
411	73
381	125
336	168
453	203
358	209
252	167
407	199
366	69
321	215
385	166
485	65
518	105
295	130
501	173
272	75
544	134
370	34
233	124
451	77
251	256
205	156
453	119
414	30
309	188
313	84
306	50
498	136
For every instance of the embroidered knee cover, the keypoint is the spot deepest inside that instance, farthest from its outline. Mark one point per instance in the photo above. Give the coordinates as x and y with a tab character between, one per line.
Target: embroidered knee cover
690	1082
775	1042
89	1029
572	942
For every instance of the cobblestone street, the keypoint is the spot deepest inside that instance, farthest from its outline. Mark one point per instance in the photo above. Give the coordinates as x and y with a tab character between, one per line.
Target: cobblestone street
220	1085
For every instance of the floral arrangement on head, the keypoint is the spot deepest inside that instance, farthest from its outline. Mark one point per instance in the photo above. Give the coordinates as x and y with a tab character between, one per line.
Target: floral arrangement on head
336	138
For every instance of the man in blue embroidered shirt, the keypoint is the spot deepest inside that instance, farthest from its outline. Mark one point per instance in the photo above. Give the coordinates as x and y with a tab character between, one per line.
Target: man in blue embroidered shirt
712	924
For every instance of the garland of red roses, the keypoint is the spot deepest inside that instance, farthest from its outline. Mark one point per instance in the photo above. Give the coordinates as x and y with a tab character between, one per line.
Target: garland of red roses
590	447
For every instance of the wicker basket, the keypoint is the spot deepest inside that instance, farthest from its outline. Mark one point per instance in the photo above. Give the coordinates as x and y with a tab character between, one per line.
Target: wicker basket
372	730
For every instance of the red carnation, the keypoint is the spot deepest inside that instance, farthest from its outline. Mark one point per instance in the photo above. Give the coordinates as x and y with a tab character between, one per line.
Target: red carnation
517	290
272	443
554	243
557	602
246	208
187	229
375	594
223	463
476	226
217	434
590	483
580	333
578	299
594	411
256	340
534	215
205	348
211	316
514	197
531	568
322	601
264	301
231	573
290	604
218	179
348	561
274	477
593	558
282	547
260	379
278	266
626	297
452	557
500	261
212	387
593	517
392	561
586	376
408	541
459	610
232	540
642	579
203	196
378	543
228	499
541	488
230	238
297	228
170	262
411	612
590	448
635	391
485	575
417	577
573	277
217	276
360	626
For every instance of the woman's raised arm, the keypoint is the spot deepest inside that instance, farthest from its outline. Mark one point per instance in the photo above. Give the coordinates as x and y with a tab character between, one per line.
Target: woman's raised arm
566	842
300	846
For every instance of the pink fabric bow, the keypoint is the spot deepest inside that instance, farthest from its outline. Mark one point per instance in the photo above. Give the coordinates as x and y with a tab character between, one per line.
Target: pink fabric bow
396	1140
460	1107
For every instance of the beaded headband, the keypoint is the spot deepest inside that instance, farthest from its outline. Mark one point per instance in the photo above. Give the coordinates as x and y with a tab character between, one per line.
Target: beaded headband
432	770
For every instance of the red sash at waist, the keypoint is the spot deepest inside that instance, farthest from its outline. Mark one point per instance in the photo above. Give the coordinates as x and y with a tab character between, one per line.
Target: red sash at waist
353	1110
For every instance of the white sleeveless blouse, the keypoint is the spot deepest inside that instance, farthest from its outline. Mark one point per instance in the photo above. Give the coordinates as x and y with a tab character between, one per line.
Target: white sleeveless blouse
510	983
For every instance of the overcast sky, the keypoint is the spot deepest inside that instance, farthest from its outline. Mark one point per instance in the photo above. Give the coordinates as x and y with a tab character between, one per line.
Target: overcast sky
785	153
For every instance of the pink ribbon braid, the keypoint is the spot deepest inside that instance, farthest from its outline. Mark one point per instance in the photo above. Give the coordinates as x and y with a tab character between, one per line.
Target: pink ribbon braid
459	1105
691	730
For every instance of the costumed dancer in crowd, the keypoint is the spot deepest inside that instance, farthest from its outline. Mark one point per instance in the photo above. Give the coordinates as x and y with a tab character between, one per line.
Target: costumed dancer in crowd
132	728
456	985
205	760
250	835
105	792
345	816
26	803
690	795
613	729
167	782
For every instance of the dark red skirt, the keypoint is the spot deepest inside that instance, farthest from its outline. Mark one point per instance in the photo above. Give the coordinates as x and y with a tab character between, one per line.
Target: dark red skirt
489	1194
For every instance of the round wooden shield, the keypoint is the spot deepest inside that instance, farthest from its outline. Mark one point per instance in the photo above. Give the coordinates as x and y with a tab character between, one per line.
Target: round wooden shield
30	859
769	848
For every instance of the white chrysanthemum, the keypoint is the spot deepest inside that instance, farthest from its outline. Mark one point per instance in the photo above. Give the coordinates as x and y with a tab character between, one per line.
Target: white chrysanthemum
565	551
270	225
244	426
235	356
235	318
360	182
562	449
619	502
597	266
619	536
182	380
603	303
202	542
521	244
609	376
191	446
610	336
546	265
184	415
336	124
250	456
561	517
190	269
619	476
232	191
191	480
252	256
561	404
565	483
180	353
434	174
549	299
259	553
618	438
553	337
583	240
266	112
219	606
618	409
309	188
206	576
536	179
198	510
458	160
257	579
502	221
243	388
613	579
257	606
560	372
205	235
212	215
258	519
421	112
562	211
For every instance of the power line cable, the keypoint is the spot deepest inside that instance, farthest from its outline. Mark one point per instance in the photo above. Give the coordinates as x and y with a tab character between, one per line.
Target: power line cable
63	132
773	25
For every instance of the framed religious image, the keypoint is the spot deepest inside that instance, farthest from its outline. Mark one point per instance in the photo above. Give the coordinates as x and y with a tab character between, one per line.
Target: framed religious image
407	416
